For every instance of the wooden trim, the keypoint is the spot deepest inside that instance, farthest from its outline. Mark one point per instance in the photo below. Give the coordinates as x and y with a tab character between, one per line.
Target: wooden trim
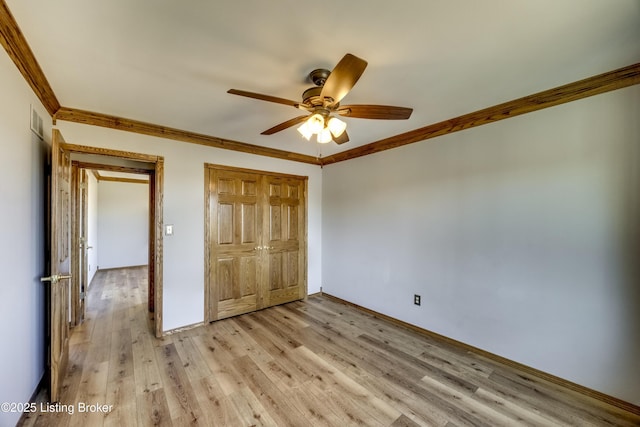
207	251
616	79
602	397
306	238
83	229
75	244
128	155
19	51
246	170
113	168
158	199
151	224
126	180
119	123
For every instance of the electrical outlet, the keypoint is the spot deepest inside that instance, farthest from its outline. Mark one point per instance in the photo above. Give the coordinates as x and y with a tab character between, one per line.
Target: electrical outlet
416	299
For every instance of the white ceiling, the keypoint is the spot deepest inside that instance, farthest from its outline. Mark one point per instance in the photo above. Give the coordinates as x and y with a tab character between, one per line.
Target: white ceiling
171	62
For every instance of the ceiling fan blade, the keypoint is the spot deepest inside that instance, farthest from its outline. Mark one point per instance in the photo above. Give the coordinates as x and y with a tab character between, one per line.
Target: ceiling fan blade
382	112
342	138
342	78
284	125
262	97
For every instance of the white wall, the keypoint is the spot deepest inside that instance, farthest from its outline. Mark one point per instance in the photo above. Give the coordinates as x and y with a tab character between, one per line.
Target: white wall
184	208
123	224
92	226
22	257
521	237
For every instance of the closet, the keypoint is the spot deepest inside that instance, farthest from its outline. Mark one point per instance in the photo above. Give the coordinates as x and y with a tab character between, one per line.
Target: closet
255	240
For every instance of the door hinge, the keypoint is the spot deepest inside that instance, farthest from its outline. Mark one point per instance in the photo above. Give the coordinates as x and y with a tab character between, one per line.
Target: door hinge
83	185
82	295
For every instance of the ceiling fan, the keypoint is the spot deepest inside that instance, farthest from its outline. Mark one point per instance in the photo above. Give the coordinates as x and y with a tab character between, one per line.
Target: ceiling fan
323	101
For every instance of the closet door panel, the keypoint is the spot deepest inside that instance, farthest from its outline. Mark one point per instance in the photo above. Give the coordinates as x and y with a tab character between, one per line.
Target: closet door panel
234	265
256	244
275	271
286	228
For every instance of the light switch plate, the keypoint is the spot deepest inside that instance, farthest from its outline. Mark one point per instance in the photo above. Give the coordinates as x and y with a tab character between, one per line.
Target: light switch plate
168	230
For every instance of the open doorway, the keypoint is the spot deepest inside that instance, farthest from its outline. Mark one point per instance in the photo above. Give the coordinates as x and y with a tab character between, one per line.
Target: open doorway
111	227
110	165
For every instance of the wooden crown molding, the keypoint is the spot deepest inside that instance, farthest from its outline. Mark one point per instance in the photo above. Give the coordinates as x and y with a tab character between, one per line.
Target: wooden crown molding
19	51
612	80
14	42
129	125
617	79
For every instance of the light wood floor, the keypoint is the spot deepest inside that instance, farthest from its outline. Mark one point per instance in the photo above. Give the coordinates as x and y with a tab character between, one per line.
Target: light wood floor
301	364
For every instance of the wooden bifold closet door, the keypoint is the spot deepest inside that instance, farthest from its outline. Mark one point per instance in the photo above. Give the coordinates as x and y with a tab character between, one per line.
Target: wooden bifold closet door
255	240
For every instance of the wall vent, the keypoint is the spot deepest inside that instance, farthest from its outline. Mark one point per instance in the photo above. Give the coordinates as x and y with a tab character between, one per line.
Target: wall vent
36	123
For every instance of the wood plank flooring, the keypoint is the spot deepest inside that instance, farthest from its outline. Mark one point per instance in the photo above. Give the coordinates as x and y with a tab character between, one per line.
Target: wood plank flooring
313	363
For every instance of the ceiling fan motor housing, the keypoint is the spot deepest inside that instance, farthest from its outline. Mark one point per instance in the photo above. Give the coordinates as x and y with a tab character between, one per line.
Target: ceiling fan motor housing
311	96
319	76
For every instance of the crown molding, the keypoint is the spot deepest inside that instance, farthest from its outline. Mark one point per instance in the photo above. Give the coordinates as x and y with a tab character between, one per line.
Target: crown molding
129	125
616	79
19	51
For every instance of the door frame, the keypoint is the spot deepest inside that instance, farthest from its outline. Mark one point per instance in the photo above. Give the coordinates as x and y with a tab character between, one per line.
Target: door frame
156	193
78	247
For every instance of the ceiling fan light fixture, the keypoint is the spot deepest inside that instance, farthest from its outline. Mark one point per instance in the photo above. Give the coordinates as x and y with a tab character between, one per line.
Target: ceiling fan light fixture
315	123
324	99
336	126
305	131
324	136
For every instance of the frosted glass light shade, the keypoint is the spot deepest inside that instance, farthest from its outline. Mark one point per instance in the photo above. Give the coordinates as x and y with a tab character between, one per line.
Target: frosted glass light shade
336	126
305	131
324	136
315	123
